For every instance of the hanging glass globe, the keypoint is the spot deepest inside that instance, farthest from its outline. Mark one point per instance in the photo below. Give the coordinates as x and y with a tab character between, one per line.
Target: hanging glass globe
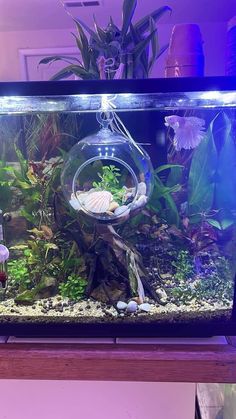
107	176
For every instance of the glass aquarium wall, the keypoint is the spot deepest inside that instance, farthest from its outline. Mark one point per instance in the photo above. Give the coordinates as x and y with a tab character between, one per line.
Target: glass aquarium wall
118	209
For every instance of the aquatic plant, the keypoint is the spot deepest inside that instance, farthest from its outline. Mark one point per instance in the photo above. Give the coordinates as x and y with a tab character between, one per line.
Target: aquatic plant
213	284
129	52
45	133
212	183
110	182
35	181
216	283
18	272
161	201
184	267
5	185
73	288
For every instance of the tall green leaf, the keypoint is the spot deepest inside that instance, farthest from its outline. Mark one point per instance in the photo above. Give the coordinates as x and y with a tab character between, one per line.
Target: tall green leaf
225	195
100	32
143	24
154	43
144	56
138	49
129	7
83	45
201	183
93	34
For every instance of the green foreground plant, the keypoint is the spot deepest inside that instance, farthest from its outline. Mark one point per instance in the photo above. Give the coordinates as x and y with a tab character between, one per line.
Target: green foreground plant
73	288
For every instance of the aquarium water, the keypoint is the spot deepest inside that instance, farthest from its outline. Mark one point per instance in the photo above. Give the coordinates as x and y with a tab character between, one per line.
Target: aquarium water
118	207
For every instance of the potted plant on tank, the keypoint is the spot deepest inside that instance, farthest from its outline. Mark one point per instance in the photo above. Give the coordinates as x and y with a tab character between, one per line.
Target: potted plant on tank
114	53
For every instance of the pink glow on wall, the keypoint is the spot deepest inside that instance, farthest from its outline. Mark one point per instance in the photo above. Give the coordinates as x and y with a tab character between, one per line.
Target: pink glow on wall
95	400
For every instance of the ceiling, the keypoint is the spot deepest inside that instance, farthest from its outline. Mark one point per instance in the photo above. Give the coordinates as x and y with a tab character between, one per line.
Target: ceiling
49	14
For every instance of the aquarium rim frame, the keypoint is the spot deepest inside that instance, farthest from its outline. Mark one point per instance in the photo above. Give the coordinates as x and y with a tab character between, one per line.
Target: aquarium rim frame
116	330
125	86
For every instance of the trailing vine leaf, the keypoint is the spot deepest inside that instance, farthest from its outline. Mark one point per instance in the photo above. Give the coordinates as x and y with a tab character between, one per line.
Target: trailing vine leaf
201	183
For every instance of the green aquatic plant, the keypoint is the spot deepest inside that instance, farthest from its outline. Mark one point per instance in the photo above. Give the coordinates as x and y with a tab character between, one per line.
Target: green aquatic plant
73	288
212	183
212	284
18	272
35	181
107	53
161	201
218	284
184	266
6	192
110	182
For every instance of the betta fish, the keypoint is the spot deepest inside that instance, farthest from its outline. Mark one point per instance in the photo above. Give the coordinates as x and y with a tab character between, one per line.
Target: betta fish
188	131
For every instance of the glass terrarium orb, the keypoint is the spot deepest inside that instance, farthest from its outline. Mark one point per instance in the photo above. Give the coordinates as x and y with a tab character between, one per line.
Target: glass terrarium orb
107	177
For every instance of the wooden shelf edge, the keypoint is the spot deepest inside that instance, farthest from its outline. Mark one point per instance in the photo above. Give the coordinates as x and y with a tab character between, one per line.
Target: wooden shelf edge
153	363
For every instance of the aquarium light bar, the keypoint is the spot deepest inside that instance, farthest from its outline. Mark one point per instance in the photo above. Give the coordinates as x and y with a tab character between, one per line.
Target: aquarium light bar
88	3
117	102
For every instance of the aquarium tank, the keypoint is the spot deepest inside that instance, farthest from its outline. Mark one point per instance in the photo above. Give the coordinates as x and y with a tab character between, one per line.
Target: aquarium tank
118	207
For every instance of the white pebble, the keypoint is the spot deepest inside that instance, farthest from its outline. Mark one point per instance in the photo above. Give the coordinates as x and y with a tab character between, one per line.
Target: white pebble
121	305
142	188
161	294
132	307
141	201
122	210
145	307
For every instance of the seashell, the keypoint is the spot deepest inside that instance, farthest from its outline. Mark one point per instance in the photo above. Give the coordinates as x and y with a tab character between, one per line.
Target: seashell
132	307
98	202
123	209
75	204
113	206
81	197
121	305
142	188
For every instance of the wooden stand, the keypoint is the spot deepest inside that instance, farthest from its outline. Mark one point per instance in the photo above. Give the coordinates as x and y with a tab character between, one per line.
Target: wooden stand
213	363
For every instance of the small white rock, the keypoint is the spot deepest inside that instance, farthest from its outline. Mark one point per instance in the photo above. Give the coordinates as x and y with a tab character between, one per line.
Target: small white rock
132	307
145	307
141	201
121	305
161	294
142	188
122	210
